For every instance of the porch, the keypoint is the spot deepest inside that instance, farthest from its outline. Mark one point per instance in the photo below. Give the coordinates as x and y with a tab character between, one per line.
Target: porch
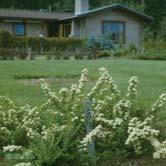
68	28
59	29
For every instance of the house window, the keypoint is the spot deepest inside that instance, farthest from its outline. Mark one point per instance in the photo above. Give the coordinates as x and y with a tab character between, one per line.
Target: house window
116	30
19	29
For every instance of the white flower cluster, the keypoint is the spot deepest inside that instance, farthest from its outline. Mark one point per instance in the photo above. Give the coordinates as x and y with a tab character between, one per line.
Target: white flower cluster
96	132
9	117
23	164
74	118
104	77
122	109
8	112
114	88
48	133
138	131
159	103
74	90
112	123
5	100
31	121
98	105
83	79
160	149
63	92
11	148
52	96
132	88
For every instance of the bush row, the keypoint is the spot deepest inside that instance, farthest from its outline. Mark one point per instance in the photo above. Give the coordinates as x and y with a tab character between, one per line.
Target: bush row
64	48
11	54
151	55
36	43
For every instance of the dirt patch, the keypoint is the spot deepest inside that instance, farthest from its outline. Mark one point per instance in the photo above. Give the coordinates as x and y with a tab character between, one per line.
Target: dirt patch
36	82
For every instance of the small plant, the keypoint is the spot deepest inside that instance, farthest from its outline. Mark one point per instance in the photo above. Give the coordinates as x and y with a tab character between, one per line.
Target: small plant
99	43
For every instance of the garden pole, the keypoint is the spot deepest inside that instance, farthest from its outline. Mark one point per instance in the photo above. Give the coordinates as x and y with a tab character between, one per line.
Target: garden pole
89	128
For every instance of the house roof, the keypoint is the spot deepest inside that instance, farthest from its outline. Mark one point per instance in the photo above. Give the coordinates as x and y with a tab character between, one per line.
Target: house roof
113	6
33	15
53	16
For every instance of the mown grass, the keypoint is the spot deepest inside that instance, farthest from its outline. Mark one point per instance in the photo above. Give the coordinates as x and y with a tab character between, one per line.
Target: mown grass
151	74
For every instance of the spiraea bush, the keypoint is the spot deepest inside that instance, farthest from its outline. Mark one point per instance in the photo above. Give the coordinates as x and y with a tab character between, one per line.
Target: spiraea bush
54	133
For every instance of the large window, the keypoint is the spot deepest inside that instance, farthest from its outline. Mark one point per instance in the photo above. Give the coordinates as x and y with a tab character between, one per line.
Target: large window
116	30
19	29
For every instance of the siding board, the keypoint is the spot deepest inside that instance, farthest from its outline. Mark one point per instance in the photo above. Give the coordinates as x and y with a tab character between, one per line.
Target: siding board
133	25
32	28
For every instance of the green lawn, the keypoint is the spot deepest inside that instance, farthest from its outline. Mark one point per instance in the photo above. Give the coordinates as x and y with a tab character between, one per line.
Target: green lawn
151	74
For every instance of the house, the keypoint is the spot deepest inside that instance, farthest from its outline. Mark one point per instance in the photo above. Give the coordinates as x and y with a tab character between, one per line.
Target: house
117	20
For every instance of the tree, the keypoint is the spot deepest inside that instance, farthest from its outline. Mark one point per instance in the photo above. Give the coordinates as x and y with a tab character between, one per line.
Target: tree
162	32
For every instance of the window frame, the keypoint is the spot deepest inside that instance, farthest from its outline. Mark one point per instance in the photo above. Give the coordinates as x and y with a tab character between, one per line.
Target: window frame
14	28
113	21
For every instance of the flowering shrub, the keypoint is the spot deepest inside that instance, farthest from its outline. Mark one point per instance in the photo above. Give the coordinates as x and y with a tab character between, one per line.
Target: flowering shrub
55	131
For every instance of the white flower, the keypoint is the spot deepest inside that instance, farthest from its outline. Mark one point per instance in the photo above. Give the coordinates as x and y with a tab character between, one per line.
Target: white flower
122	109
74	118
160	148
138	131
23	164
83	79
11	148
159	103
98	131
132	88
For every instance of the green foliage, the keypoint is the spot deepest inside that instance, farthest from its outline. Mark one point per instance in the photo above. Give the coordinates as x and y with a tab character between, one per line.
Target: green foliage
120	52
7	54
104	54
20	42
132	48
54	131
152	50
158	44
56	48
152	55
100	43
157	9
6	39
162	32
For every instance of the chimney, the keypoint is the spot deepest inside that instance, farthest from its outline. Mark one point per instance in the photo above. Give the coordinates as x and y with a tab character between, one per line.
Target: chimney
81	6
49	8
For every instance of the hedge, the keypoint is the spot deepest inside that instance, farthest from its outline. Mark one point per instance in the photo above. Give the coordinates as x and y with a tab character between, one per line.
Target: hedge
36	43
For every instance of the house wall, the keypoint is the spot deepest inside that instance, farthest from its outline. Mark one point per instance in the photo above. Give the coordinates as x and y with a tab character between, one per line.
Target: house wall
35	28
32	28
133	25
7	26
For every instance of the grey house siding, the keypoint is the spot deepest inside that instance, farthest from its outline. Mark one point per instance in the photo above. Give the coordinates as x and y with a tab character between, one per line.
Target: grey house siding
32	28
7	26
35	28
133	25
